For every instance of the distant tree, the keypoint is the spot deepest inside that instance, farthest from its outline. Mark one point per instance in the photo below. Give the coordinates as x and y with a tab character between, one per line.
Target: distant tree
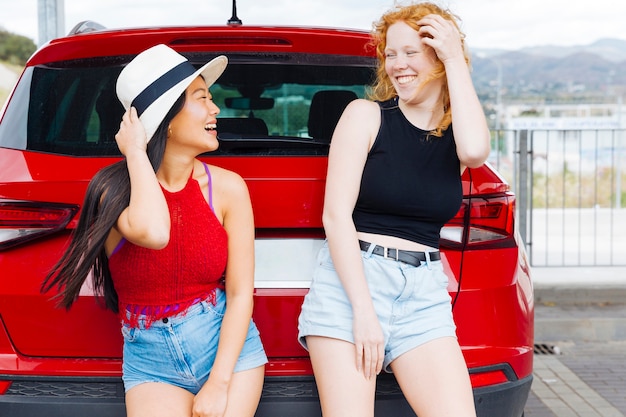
15	49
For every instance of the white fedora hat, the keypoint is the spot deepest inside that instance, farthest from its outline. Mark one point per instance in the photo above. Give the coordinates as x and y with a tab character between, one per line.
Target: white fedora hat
154	79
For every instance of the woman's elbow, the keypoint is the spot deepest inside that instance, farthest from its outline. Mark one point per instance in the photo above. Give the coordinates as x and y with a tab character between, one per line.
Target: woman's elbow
328	219
160	243
474	161
475	157
155	238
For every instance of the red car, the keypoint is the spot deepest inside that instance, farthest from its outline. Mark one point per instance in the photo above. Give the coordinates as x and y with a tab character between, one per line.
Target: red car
281	97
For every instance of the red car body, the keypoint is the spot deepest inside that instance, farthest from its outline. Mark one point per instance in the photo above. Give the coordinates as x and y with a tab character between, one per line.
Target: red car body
59	362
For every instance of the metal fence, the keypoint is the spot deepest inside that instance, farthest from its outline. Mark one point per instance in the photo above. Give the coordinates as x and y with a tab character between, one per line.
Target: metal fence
571	193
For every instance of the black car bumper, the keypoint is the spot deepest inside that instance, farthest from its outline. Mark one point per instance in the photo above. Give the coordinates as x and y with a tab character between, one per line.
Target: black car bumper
287	397
282	396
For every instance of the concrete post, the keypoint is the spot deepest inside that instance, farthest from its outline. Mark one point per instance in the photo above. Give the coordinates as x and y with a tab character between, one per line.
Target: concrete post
523	197
51	17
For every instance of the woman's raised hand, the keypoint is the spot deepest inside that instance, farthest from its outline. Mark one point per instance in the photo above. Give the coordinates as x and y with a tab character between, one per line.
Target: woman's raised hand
443	36
132	135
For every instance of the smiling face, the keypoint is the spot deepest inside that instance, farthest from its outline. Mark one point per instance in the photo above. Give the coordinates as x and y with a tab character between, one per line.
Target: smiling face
409	64
195	125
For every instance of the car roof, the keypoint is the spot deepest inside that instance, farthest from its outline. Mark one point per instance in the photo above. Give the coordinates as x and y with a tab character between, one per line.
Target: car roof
222	39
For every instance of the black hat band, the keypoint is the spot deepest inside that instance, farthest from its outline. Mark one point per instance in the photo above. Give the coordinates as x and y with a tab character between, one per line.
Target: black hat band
159	86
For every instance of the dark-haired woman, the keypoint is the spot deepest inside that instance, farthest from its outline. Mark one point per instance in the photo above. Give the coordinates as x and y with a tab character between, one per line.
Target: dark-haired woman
170	241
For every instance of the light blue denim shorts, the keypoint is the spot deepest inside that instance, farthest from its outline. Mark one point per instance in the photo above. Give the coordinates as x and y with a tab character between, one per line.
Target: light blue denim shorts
181	352
412	303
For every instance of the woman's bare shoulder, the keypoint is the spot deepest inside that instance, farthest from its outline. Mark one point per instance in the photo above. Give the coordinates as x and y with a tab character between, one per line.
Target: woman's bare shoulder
226	180
363	107
360	121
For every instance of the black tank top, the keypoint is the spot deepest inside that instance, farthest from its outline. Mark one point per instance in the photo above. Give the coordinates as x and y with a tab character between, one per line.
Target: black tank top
411	184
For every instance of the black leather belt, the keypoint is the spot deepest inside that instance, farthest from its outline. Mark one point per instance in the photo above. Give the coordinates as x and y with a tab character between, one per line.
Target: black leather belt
406	256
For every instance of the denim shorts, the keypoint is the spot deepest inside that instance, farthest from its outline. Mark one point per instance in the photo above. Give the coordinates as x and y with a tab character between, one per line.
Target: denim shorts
181	349
412	303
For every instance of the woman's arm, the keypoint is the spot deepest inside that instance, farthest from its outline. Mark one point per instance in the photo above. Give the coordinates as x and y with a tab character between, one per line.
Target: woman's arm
352	139
471	132
146	220
238	221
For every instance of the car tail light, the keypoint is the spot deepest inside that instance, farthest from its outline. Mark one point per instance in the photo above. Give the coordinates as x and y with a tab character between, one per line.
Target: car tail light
233	40
484	221
4	386
23	221
482	379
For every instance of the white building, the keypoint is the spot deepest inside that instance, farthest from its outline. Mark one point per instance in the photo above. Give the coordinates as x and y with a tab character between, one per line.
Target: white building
565	116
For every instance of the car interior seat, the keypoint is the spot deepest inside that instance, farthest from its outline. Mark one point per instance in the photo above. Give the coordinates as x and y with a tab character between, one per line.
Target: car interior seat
326	109
242	126
110	112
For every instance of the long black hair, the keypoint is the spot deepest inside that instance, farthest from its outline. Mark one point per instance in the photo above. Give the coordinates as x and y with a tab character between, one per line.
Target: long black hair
108	194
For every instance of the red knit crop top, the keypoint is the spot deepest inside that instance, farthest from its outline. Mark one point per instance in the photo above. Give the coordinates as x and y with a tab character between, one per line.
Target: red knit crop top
153	284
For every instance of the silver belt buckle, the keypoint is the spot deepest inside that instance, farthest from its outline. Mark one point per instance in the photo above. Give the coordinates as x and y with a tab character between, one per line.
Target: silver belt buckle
386	253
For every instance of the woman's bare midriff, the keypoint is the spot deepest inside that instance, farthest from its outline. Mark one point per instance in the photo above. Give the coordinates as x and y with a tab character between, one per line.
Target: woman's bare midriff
394	242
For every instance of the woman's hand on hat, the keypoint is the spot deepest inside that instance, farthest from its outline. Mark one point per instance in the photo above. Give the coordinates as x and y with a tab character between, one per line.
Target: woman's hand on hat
443	36
132	135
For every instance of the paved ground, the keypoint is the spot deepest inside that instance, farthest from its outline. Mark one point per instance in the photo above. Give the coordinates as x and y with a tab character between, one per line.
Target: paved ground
7	78
580	343
586	379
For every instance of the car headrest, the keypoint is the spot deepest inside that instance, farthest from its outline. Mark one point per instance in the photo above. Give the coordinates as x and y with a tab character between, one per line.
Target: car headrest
241	125
326	109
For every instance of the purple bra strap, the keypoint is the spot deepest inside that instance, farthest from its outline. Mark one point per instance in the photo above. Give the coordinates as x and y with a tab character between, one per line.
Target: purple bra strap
208	173
119	245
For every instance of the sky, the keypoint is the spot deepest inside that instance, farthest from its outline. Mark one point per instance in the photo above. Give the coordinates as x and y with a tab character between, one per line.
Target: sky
499	24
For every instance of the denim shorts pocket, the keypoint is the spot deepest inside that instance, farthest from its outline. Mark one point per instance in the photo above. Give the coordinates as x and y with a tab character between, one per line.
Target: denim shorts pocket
324	260
218	307
129	333
327	265
214	310
439	275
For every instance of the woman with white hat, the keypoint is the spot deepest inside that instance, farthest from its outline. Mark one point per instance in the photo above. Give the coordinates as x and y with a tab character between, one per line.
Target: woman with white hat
170	242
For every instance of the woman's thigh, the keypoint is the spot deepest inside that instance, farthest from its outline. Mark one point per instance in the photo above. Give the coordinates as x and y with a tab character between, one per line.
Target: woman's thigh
343	390
244	392
435	380
156	399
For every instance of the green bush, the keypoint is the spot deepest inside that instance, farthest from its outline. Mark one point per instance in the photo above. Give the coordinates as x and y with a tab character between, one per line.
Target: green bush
15	49
570	189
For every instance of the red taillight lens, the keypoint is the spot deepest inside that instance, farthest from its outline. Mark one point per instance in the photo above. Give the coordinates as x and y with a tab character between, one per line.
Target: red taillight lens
4	386
483	379
22	221
482	222
233	40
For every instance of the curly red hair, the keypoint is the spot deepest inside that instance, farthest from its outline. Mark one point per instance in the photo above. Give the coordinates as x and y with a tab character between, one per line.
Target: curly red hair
410	14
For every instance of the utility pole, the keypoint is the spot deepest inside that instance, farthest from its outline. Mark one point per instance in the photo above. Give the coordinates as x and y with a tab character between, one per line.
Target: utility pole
51	19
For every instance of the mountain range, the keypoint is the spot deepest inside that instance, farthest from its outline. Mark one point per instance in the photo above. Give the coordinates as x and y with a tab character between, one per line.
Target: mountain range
610	49
596	71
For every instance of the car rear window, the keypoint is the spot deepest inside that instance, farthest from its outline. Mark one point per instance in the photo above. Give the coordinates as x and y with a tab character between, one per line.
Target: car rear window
271	104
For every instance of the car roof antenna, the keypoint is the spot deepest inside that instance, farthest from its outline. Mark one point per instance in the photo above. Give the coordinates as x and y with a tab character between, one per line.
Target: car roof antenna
234	20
